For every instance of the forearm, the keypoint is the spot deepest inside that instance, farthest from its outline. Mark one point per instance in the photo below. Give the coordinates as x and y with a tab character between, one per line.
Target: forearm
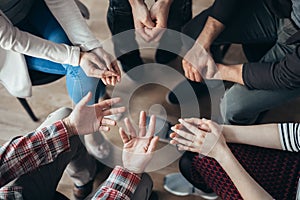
12	39
210	32
24	154
266	135
246	185
232	73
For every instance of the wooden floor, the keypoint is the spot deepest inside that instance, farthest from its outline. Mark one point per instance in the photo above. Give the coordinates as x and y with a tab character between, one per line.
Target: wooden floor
14	120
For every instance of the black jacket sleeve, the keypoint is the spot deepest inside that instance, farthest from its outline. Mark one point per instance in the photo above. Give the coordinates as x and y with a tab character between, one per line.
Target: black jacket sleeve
280	75
223	10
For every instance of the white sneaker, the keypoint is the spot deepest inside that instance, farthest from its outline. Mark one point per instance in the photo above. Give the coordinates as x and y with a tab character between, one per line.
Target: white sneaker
176	184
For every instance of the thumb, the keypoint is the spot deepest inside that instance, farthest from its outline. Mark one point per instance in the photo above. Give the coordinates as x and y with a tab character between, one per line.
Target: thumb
85	99
149	23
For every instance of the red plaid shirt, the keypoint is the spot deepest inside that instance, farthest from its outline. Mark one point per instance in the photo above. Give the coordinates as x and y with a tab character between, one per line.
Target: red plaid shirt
24	154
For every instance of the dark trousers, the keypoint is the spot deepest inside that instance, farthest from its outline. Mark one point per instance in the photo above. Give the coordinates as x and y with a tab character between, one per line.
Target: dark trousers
120	19
263	37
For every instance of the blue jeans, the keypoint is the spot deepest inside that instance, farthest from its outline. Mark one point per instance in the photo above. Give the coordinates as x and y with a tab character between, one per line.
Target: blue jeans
263	37
42	23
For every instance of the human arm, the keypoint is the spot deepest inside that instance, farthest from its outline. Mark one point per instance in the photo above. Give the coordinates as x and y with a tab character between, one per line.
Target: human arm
210	142
220	15
24	154
137	153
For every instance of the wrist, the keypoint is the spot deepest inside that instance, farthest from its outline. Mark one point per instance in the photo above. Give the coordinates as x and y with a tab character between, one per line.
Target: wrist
71	129
134	3
169	2
223	155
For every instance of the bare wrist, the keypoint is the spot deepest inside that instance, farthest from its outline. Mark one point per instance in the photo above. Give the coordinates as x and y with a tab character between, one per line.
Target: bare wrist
169	2
222	155
71	129
133	3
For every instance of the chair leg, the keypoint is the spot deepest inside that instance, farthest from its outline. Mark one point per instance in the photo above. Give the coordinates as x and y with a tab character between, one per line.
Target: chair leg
28	109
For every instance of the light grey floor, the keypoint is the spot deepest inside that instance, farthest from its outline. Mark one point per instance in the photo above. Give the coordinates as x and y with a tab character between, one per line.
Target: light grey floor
15	121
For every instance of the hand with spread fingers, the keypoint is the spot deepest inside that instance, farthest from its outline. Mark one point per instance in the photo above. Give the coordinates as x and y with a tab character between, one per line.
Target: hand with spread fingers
138	146
89	119
198	135
110	65
198	64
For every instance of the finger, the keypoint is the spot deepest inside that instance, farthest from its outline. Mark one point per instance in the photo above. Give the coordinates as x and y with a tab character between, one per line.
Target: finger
197	75
190	127
211	68
109	74
182	141
144	35
191	74
104	128
109	102
124	136
85	100
184	134
116	67
194	121
113	81
104	81
151	128
187	148
129	127
113	111
185	68
142	124
110	122
148	22
153	144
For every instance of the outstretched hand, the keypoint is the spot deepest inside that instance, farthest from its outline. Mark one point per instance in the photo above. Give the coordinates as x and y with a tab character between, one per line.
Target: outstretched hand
89	119
138	146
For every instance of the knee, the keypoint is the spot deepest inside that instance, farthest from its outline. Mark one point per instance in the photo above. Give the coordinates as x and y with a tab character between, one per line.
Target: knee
236	112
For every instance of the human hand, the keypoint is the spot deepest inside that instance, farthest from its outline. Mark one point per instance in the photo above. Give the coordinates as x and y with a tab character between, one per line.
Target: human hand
142	19
159	13
138	147
198	64
89	119
93	66
111	65
198	135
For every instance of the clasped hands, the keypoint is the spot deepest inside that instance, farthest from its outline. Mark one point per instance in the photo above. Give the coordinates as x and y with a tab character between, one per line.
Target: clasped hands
151	23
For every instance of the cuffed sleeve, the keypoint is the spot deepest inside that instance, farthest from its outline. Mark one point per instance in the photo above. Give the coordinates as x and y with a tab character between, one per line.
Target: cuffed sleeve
121	184
24	154
289	136
280	75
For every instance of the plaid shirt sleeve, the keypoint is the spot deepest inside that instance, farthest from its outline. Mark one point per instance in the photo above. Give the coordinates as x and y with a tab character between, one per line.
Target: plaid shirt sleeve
24	154
121	184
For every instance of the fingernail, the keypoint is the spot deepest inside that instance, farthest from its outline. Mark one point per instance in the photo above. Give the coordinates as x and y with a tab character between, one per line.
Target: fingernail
180	120
173	128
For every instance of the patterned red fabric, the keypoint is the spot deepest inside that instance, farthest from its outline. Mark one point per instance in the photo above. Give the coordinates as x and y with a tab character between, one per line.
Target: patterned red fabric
276	171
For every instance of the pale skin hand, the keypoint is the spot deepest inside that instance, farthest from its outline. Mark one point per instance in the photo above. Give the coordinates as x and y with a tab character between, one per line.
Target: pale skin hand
138	146
200	136
89	119
141	18
93	66
111	65
246	185
198	63
194	70
159	13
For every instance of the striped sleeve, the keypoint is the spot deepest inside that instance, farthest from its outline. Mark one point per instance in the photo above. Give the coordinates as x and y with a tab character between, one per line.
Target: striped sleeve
289	136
